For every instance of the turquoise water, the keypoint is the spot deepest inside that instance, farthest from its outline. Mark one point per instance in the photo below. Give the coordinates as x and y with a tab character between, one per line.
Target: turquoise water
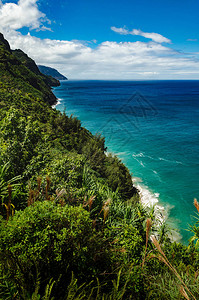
153	126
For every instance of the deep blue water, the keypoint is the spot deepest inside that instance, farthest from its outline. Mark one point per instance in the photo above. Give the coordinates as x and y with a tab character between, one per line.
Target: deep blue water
153	126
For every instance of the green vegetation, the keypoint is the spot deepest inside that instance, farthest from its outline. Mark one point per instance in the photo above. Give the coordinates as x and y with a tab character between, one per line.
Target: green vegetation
71	225
31	65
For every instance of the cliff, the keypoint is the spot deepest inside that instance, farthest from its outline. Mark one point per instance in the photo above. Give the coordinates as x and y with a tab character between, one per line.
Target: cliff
51	72
71	225
19	75
31	65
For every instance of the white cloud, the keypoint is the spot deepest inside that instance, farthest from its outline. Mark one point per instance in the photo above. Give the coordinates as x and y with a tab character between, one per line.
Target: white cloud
120	30
109	60
156	37
23	14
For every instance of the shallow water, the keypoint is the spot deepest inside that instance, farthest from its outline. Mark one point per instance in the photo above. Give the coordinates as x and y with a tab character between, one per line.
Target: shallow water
153	126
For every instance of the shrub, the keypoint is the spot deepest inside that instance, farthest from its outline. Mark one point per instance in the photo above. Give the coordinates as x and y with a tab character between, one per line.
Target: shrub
49	241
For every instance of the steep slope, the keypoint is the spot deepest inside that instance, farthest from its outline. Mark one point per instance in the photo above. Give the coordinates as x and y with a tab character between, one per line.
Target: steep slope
71	225
31	65
51	72
4	42
25	94
16	80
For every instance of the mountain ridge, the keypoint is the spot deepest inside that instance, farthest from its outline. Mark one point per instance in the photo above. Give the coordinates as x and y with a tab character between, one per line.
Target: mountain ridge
19	75
51	72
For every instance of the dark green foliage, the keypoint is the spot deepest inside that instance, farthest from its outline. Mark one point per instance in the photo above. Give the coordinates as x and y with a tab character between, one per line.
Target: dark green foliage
47	240
31	65
118	177
84	232
17	80
18	138
31	125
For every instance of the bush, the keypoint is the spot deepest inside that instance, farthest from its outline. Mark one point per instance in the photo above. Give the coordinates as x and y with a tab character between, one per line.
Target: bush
49	241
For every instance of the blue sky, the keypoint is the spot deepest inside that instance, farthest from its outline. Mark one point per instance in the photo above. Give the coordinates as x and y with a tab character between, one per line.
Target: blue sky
107	39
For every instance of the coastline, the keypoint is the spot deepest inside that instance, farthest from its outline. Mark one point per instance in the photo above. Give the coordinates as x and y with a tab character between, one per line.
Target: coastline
57	103
151	202
158	170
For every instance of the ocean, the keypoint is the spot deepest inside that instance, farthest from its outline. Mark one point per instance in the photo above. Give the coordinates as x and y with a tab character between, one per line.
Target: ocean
153	126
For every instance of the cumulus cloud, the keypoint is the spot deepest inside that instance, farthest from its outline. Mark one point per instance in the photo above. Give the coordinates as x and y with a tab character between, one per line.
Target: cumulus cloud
23	14
108	60
156	37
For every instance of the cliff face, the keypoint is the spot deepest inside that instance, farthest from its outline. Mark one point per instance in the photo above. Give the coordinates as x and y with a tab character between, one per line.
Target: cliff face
20	75
26	61
4	43
31	65
51	72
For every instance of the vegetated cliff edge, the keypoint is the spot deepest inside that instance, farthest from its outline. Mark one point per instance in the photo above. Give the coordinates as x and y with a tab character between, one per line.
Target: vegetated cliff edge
25	89
48	71
31	65
20	76
71	224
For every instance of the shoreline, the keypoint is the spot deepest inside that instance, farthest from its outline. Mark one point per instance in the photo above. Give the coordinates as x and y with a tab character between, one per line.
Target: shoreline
151	202
57	103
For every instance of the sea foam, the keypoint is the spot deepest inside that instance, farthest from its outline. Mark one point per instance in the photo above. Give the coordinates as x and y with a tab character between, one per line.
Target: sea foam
58	102
151	201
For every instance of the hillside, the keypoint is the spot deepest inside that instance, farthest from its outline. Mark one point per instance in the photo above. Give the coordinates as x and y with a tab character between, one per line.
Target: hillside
51	72
31	65
71	223
17	80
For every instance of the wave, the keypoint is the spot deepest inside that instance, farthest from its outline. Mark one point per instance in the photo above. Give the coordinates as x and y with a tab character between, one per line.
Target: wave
150	201
138	155
170	161
141	154
58	102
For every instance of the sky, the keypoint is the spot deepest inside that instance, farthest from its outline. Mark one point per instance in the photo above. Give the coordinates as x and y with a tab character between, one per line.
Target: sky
107	39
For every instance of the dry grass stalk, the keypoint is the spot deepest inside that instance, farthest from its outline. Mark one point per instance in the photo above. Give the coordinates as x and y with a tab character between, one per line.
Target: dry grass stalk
89	203
60	193
122	250
9	194
106	204
84	202
184	293
161	258
31	197
196	204
148	228
39	180
164	259
155	242
106	211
